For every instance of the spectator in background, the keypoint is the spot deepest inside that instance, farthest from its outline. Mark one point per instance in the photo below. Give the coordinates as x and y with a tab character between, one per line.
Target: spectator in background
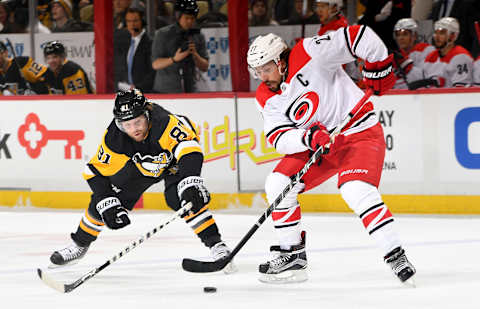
133	50
466	12
410	55
178	50
5	24
330	16
382	15
296	12
450	65
259	14
61	14
119	10
21	75
421	9
68	77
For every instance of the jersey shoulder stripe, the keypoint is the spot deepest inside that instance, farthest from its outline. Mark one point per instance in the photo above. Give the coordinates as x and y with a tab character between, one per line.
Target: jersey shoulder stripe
457	50
432	57
298	59
420	47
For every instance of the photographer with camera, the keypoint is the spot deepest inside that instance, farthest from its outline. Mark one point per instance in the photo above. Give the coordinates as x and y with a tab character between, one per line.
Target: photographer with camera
178	50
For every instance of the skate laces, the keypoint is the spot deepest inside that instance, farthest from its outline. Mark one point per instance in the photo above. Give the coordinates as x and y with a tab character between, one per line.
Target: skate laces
279	260
399	263
71	252
219	251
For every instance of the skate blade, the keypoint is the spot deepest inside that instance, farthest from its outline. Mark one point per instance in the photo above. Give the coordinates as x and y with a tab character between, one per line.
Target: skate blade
55	266
230	268
410	283
289	276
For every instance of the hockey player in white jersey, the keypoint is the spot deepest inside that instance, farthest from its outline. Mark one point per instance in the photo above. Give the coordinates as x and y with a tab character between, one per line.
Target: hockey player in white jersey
476	72
304	94
450	65
411	54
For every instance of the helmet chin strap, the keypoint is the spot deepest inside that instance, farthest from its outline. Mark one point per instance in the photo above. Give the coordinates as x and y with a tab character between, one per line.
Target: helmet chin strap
284	72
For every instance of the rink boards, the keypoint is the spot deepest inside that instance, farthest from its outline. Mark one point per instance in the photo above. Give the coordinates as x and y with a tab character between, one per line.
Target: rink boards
432	162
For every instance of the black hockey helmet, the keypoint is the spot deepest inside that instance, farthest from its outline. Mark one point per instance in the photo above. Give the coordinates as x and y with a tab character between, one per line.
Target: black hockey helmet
54	48
186	7
129	105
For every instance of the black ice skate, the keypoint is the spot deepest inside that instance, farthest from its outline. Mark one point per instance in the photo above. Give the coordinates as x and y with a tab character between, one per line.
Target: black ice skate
289	266
220	251
400	265
67	256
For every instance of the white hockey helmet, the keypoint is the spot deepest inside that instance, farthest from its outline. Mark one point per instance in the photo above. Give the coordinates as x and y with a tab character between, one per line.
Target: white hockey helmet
449	23
339	3
405	24
264	49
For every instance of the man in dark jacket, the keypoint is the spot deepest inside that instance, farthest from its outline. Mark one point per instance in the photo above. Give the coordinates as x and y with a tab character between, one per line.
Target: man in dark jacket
133	47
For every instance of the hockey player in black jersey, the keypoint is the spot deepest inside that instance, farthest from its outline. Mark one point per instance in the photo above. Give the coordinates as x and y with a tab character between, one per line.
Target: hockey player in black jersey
68	76
21	75
143	145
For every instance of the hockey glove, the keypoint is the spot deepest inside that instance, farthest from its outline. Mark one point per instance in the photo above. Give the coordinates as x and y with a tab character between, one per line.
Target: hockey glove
401	62
379	75
191	189
316	136
114	215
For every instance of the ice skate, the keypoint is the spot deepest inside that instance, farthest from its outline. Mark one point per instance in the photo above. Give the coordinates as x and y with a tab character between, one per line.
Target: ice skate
288	266
68	256
220	251
400	265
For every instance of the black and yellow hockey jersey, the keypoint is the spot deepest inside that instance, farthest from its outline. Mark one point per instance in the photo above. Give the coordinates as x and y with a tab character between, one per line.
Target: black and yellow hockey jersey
15	79
71	79
170	138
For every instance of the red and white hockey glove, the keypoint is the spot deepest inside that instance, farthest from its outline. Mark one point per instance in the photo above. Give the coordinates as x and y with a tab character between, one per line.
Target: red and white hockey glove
316	136
379	75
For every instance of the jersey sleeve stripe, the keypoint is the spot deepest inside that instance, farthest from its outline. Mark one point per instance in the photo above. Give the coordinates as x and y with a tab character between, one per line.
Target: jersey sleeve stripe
346	40
272	131
186	147
362	31
274	138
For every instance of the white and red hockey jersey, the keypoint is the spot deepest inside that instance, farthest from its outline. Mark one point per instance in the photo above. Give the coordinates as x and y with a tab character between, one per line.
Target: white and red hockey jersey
476	72
453	70
317	89
417	54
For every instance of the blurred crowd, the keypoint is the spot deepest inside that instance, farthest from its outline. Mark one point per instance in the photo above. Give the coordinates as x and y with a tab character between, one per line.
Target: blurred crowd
434	42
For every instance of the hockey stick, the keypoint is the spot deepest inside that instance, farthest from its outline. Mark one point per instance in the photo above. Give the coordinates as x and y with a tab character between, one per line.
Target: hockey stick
197	266
12	50
65	288
477	30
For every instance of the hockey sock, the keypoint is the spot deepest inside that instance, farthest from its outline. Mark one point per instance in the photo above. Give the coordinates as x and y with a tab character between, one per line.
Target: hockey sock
287	226
88	230
203	224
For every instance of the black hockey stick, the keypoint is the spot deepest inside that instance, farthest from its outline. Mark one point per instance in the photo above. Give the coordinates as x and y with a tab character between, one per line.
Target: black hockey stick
65	288
14	54
197	266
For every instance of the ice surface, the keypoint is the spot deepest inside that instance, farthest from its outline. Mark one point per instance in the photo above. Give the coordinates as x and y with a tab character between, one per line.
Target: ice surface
345	269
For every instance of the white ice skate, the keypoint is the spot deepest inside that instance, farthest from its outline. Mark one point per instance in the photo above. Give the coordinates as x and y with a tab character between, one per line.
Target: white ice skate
289	266
67	256
219	251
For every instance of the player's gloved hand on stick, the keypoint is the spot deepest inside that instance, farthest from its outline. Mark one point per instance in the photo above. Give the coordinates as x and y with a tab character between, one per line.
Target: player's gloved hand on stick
379	75
191	189
402	61
316	136
114	215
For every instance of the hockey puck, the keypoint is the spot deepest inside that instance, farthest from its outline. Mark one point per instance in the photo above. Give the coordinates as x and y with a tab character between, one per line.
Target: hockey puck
210	289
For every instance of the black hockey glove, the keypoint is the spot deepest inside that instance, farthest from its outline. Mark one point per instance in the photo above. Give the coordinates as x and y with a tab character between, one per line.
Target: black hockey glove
191	189
114	215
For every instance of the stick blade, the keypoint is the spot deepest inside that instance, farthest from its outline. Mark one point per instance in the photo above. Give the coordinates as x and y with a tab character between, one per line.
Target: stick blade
54	284
195	266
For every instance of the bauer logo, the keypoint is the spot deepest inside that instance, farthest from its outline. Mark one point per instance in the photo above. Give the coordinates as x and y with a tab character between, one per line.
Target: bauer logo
467	147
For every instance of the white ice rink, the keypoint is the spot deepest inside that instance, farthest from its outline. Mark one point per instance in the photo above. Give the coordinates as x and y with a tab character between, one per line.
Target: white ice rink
345	269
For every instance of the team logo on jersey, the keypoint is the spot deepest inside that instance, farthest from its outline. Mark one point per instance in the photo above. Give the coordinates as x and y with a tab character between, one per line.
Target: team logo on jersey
303	108
152	165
